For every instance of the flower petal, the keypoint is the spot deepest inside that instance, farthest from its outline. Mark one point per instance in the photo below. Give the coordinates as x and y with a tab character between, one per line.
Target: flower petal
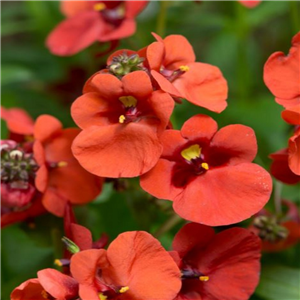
172	140
155	53
133	8
294	153
71	8
140	262
225	195
46	126
81	236
76	33
57	284
30	289
292	115
54	202
203	85
135	146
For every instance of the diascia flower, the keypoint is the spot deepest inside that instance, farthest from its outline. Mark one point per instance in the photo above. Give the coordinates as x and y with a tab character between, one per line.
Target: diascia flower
39	168
216	266
135	266
278	232
121	122
91	21
208	174
50	284
250	3
171	64
282	73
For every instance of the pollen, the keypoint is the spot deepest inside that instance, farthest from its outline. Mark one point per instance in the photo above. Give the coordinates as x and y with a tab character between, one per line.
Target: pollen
123	289
62	164
191	153
205	166
57	262
102	296
99	6
184	68
122	119
128	101
203	278
44	294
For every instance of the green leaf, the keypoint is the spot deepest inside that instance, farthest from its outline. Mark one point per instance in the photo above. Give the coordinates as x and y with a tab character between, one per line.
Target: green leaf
15	73
279	282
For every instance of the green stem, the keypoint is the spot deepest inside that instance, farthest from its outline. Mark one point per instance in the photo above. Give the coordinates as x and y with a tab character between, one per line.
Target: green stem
169	224
161	20
277	197
295	16
56	236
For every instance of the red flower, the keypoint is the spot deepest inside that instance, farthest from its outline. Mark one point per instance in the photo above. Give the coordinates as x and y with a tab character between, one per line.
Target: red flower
281	75
280	167
209	174
250	3
43	169
216	266
278	232
171	63
91	21
121	122
135	266
50	284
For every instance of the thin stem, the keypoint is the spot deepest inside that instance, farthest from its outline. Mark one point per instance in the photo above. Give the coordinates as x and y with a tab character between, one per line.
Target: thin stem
169	224
161	20
277	197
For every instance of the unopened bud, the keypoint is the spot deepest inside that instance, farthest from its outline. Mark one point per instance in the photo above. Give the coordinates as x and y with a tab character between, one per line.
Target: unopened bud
70	245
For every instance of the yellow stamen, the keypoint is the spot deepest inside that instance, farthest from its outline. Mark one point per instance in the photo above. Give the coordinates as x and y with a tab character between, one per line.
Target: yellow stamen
128	101
58	263
123	289
102	297
62	164
184	68
44	294
192	152
122	119
205	166
99	6
29	138
203	278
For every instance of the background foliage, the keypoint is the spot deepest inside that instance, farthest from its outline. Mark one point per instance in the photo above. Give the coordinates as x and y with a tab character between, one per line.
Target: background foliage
226	34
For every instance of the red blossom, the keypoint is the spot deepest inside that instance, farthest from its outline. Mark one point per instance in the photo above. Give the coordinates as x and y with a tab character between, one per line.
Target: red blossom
91	21
282	73
135	266
208	174
121	121
250	3
50	284
216	266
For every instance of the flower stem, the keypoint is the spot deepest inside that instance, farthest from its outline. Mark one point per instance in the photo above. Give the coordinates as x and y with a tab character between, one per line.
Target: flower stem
277	197
161	20
169	224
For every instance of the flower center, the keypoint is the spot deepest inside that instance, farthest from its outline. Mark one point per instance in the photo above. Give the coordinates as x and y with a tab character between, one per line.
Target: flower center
112	293
172	75
194	158
131	113
113	16
124	64
193	274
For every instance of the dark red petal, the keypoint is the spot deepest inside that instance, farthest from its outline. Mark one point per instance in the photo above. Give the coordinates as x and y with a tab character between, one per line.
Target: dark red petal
140	262
135	147
199	127
190	236
225	195
157	181
233	144
57	284
76	33
203	85
232	263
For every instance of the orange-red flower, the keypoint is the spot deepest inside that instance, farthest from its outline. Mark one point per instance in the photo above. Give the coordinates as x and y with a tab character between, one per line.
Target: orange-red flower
135	266
250	3
91	21
216	266
208	174
171	63
278	232
121	122
40	167
282	73
50	284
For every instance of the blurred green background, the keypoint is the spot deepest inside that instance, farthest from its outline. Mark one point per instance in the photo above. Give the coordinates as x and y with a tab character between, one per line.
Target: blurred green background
236	39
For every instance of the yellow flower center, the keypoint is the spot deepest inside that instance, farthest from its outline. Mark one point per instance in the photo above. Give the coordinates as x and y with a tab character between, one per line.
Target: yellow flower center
99	6
192	152
128	101
123	289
